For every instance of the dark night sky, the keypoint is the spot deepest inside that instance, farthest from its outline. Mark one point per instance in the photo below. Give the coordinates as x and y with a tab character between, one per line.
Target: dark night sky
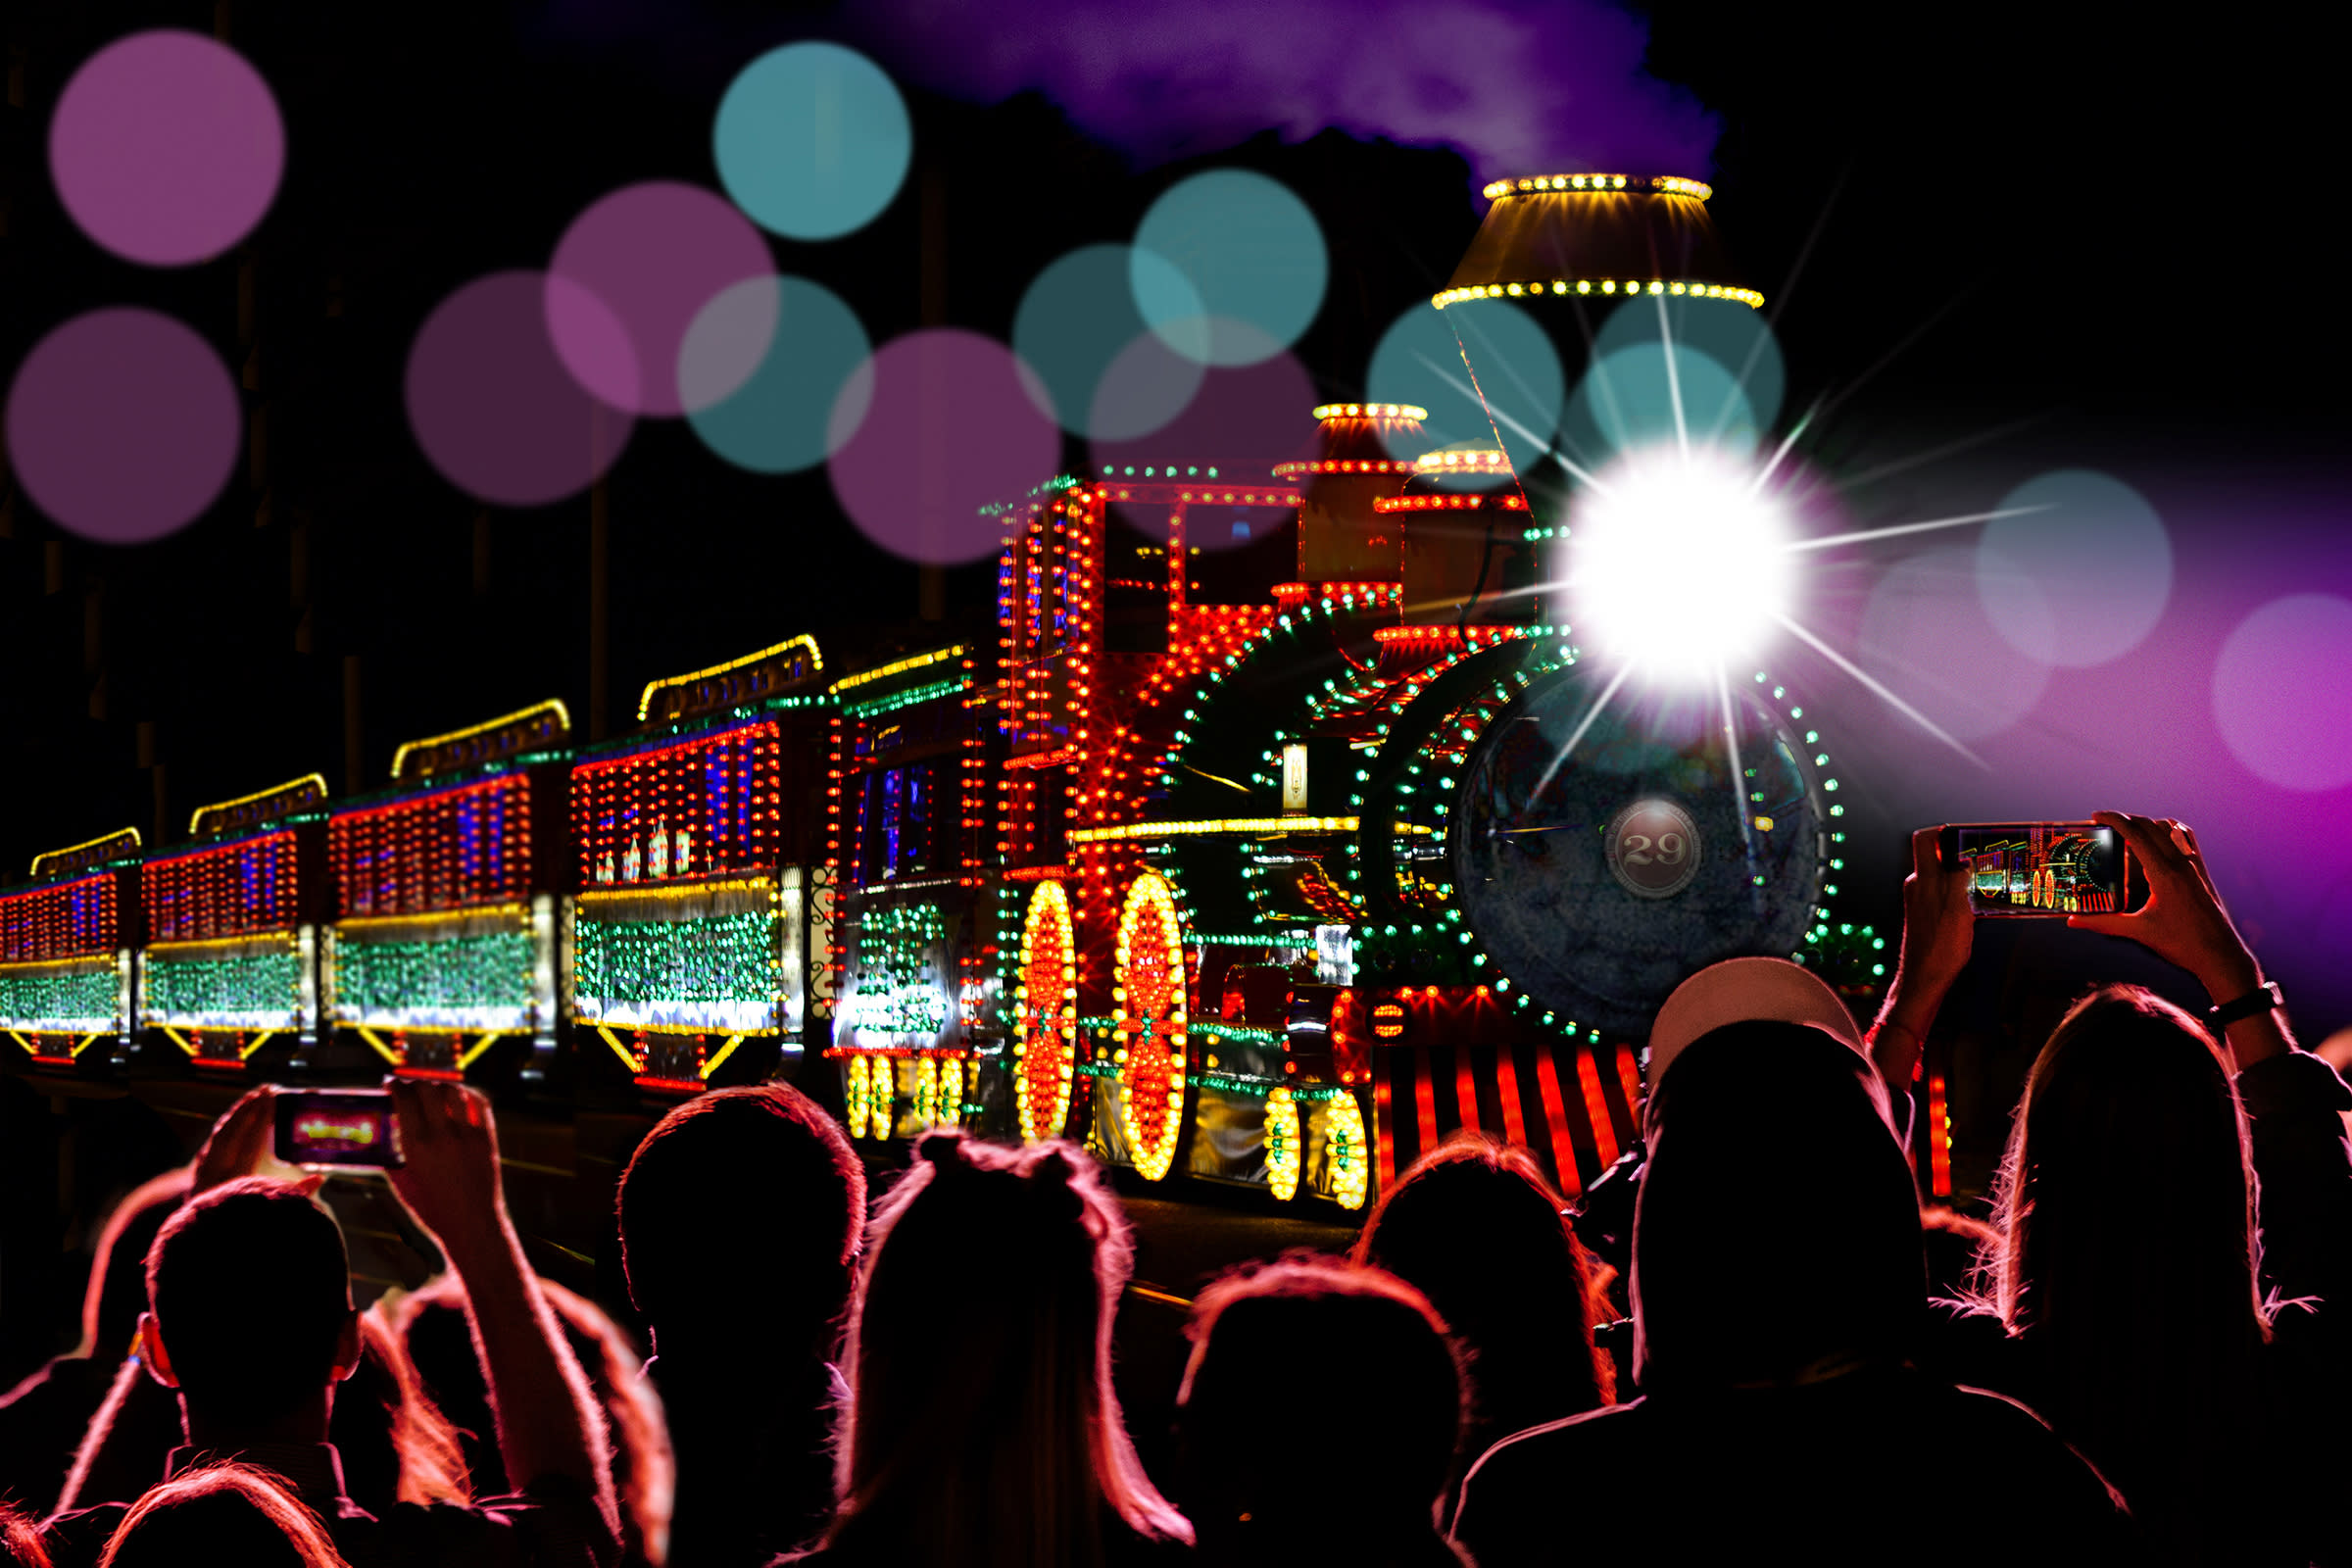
2058	236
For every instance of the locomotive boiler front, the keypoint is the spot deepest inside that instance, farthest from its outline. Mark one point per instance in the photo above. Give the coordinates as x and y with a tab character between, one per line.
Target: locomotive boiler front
1598	880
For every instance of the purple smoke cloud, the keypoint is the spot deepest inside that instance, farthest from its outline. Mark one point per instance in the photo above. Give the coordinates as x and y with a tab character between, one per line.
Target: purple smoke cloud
1517	86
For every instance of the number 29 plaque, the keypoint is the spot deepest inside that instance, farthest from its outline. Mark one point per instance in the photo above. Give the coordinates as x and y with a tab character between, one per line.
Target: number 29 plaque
1653	848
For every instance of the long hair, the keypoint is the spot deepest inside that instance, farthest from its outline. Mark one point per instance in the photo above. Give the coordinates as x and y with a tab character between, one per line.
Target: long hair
224	1512
1476	1227
20	1542
983	1427
645	1466
2127	1252
396	1444
644	1463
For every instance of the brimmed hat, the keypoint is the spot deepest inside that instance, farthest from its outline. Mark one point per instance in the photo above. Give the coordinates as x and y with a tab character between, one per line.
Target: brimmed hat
1739	990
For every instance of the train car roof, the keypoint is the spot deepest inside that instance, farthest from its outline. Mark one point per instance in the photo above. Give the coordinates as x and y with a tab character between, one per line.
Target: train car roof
121	847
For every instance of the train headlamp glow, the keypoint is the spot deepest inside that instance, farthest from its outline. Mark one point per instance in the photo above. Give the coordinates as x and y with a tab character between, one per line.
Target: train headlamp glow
1677	561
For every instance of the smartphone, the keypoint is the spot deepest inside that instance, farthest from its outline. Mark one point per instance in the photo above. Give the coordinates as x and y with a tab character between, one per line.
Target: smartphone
2051	869
337	1127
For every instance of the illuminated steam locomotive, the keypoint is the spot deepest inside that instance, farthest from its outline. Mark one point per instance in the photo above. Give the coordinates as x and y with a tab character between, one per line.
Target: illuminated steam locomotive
1266	866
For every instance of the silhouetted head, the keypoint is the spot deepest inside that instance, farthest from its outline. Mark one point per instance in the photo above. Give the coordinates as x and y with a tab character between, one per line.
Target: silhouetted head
984	1428
249	1292
221	1513
20	1541
1476	1228
1777	1234
117	1291
744	1205
1371	1457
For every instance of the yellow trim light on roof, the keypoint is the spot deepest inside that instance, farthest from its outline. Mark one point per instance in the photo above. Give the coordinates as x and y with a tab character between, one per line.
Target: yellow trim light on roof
1369	410
1220	824
1596	285
318	779
645	703
937	656
129	833
1539	184
554	704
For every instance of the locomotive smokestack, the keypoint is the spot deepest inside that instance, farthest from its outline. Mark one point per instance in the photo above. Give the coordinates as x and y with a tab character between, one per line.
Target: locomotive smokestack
1566	250
1341	536
1552	238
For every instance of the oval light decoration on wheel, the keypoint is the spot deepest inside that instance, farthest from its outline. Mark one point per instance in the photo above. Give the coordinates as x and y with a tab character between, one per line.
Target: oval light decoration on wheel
1046	1004
1148	987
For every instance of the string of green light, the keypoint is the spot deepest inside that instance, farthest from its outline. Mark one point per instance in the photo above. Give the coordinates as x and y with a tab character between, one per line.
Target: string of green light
253	982
58	998
374	979
725	957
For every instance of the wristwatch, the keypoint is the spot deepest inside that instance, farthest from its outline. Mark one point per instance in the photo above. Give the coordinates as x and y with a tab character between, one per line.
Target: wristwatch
2261	1000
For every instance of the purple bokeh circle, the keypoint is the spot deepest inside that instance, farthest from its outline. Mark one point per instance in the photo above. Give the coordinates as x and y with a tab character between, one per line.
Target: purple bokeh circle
123	425
1244	420
1925	635
953	421
492	405
166	147
2282	691
643	263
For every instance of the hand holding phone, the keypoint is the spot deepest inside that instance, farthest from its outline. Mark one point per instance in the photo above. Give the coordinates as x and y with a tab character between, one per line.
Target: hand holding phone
2184	920
2047	869
337	1127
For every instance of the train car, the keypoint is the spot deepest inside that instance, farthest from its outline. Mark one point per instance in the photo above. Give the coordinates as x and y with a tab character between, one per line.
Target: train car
907	844
701	898
68	964
441	962
229	978
1296	876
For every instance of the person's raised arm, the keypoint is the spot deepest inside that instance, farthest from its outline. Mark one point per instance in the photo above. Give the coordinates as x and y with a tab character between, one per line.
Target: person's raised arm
1939	933
547	1425
241	1144
2183	922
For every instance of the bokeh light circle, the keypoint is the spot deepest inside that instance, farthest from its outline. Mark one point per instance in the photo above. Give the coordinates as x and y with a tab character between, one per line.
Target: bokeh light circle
1252	263
2089	543
786	411
813	140
166	147
1419	361
642	264
1079	328
1629	397
1735	337
1926	636
1246	418
122	425
946	422
2282	691
493	405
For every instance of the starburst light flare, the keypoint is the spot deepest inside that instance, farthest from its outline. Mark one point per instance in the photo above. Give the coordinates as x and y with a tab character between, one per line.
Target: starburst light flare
1678	563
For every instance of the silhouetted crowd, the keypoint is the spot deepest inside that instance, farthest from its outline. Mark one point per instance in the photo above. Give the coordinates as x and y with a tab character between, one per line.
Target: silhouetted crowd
1746	1344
